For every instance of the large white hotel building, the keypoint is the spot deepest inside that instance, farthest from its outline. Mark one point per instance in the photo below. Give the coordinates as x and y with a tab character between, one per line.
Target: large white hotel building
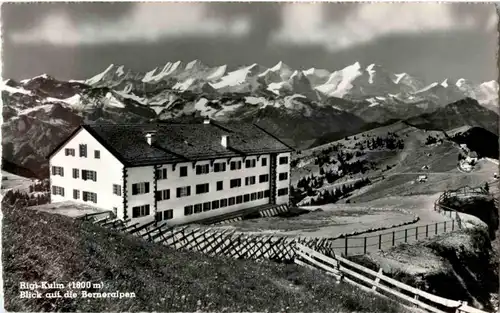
178	173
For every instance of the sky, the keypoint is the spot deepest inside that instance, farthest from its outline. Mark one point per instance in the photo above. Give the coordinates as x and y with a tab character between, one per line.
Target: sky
431	41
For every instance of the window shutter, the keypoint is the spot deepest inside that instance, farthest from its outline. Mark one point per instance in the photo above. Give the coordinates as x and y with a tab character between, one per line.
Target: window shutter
84	196
147	187
95	176
134	189
189	190
95	198
84	174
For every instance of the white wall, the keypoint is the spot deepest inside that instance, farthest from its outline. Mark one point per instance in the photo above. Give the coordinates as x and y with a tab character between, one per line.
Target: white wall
108	168
283	168
145	174
135	175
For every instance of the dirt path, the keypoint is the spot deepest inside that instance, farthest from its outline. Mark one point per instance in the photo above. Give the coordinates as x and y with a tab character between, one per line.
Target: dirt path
423	206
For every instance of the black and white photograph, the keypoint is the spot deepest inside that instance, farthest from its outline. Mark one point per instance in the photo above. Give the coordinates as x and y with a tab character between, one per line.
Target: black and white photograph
250	157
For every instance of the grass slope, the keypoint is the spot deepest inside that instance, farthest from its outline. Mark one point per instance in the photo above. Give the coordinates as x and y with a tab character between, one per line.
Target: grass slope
38	246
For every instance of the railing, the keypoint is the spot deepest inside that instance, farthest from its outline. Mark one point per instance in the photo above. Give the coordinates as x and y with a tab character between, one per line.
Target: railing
350	245
369	280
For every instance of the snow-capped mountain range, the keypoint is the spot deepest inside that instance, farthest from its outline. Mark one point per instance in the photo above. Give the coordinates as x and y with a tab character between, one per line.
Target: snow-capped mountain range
298	105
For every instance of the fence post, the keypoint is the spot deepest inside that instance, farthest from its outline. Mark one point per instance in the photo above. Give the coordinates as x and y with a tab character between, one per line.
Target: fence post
345	248
452	225
406	235
426	231
416	233
445	226
393	238
364	246
380	242
436	228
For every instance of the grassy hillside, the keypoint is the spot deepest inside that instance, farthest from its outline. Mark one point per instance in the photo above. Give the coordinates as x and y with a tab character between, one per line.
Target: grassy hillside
39	247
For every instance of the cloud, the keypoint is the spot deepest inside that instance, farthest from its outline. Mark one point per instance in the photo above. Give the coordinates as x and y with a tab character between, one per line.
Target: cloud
146	22
309	23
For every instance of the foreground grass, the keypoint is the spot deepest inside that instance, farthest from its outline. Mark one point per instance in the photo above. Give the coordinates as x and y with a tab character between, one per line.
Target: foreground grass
38	246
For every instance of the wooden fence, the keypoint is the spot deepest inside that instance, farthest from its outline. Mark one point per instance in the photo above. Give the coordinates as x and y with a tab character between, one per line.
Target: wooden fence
227	242
372	281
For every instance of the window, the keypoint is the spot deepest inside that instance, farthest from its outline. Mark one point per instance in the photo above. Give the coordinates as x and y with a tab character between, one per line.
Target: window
231	201
250	180
253	196
264	161
202	169
197	208
266	193
89	196
250	163
206	206
246	198
283	176
220	185
139	211
188	210
57	170
163	195
89	175
239	199
264	178
183	191
83	151
223	203
161	174
76	194
140	188
117	190
235	165
183	171
201	188
235	183
69	151
260	194
283	160
219	167
215	204
168	214
76	173
282	192
97	154
57	191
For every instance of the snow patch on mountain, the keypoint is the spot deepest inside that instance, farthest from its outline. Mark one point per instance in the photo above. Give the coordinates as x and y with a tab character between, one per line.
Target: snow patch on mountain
234	78
218	73
45	76
445	83
97	78
371	72
126	93
183	86
120	71
13	90
399	77
111	100
149	76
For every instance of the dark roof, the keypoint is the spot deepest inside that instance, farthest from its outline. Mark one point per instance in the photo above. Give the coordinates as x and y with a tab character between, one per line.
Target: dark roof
183	142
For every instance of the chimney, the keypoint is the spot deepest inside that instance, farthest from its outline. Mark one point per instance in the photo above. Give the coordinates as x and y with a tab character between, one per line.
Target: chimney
224	141
150	138
206	121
